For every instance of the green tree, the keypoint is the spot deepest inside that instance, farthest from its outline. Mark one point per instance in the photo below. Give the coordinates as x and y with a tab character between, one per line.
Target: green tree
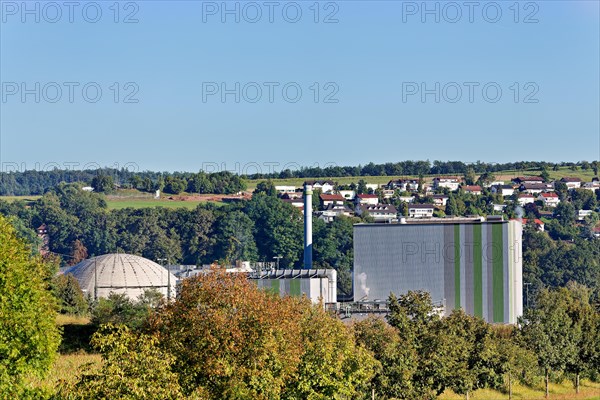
587	321
175	185
362	187
68	292
231	339
398	358
515	362
103	183
133	367
545	175
277	229
451	206
469	176
333	248
267	187
331	365
29	336
118	309
550	333
234	238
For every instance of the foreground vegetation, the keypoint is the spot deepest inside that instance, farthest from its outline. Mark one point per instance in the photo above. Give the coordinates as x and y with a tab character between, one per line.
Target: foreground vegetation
222	337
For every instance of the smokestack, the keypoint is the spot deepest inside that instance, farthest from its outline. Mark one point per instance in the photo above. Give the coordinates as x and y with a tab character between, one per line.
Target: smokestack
308	226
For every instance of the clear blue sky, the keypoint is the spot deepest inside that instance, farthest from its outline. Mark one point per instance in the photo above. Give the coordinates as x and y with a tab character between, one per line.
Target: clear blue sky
377	56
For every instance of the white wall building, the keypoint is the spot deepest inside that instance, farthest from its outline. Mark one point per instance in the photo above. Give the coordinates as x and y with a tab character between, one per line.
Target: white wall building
421	210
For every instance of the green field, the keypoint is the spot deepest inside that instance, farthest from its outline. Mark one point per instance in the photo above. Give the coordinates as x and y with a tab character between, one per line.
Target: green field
23	198
118	204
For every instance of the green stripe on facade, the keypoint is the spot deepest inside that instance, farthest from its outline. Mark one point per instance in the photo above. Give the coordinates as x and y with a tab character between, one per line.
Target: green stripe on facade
275	286
456	267
477	272
295	288
498	273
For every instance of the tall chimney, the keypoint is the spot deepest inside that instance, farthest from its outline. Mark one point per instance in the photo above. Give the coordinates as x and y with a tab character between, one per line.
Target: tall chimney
308	226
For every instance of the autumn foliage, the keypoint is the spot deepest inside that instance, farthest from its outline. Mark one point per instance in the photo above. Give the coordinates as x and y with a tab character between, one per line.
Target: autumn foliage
232	340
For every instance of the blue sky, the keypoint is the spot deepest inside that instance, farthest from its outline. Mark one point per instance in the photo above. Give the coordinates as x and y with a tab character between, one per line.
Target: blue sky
362	80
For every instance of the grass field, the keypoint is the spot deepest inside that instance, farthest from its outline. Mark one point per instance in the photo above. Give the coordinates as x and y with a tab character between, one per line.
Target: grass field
564	391
117	204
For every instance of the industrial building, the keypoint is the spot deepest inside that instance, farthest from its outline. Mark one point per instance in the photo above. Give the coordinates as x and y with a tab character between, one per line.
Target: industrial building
316	284
121	273
467	263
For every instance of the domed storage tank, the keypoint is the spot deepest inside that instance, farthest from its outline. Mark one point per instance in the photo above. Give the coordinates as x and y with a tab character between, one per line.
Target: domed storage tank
121	273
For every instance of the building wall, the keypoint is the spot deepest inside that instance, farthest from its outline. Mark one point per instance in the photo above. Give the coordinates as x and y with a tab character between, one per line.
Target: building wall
473	266
313	288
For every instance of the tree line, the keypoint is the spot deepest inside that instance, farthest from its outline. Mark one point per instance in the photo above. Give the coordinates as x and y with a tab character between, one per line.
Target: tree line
32	182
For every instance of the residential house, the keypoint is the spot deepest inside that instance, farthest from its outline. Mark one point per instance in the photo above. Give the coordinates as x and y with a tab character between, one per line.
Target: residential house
379	212
499	207
420	210
504	190
450	182
407	199
581	214
348	194
372	186
285	189
538	224
333	211
293	195
572	183
593	185
549	199
372	199
495	183
325	186
536	187
472	189
440	200
526	199
297	202
388	193
528	179
327	199
403	185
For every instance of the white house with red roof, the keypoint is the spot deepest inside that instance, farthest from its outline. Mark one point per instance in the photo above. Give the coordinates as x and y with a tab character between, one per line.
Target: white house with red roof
473	189
526	199
450	182
334	199
549	199
572	183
